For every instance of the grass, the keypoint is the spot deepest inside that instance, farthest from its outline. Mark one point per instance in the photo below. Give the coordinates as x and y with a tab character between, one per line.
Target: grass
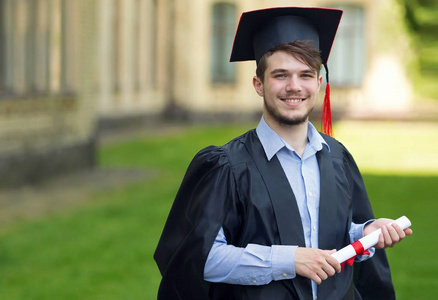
103	249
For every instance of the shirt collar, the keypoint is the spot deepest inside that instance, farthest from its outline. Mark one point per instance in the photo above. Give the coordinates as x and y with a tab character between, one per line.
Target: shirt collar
272	142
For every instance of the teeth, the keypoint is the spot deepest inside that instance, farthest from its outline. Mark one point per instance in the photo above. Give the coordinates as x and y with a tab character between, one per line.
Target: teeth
293	100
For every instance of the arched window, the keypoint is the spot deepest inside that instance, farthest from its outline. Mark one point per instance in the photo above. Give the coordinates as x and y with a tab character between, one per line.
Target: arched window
347	58
223	27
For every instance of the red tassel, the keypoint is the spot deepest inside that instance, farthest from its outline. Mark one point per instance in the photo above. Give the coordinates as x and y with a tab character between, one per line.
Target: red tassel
326	119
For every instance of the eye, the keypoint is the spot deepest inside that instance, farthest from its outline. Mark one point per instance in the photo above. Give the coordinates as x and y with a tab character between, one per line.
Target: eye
308	75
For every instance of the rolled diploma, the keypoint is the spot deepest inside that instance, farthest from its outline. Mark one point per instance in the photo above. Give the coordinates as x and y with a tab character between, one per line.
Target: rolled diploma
368	241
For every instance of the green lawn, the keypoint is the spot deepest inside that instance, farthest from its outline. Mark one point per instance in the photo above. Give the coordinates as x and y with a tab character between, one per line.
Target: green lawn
103	249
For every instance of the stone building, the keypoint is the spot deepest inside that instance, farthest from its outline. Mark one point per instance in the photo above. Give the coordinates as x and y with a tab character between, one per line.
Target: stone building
47	82
66	65
173	54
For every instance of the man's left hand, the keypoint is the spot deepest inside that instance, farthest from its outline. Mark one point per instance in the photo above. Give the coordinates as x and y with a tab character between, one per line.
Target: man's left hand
391	233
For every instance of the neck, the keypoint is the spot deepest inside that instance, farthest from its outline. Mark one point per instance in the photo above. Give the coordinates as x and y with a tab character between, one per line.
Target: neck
294	135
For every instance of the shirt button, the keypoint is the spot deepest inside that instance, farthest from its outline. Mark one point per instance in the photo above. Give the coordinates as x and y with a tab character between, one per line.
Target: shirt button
254	281
314	228
284	275
310	194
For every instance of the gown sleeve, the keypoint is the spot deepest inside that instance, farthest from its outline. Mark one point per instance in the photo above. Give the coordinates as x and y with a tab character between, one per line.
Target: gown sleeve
193	223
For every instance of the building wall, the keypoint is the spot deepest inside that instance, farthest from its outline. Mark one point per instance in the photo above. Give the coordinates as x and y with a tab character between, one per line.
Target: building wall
170	43
47	118
133	45
384	87
64	65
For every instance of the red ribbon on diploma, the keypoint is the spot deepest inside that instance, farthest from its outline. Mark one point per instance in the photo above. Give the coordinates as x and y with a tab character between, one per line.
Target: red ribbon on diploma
358	247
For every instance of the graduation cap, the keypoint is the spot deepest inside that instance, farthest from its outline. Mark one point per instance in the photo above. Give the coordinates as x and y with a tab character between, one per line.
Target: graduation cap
261	30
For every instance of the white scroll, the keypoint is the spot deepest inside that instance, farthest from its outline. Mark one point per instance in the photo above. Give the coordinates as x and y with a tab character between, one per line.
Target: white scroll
366	242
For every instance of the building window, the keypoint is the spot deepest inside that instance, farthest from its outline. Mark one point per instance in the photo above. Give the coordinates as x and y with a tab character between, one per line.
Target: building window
223	27
37	41
347	58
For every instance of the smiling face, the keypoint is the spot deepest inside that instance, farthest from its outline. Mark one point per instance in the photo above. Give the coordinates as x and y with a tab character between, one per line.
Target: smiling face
289	89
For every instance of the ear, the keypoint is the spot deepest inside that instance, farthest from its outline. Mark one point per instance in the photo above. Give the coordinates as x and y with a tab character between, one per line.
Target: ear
258	85
319	82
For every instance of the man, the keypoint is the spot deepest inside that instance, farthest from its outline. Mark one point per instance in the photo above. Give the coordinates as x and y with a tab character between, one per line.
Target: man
260	217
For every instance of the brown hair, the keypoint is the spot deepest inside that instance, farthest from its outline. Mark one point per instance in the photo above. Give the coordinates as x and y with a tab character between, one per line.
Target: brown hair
301	50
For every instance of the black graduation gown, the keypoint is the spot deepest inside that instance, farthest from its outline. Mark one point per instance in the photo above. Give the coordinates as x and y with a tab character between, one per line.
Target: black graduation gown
236	187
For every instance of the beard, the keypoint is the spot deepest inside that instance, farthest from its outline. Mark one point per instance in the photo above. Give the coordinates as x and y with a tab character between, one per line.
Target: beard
273	111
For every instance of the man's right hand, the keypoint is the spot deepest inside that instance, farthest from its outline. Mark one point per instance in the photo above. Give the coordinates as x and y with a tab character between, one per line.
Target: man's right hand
316	264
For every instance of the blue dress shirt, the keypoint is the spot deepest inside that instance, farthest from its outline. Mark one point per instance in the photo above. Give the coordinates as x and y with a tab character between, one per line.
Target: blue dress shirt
257	264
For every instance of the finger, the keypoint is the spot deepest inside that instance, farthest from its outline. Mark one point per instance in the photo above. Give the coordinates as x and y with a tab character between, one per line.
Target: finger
334	264
385	236
401	234
310	273
331	251
399	230
322	274
329	270
338	268
309	262
324	269
381	243
317	279
394	237
408	231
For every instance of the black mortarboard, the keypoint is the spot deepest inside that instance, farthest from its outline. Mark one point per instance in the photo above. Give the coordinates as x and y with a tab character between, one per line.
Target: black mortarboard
261	30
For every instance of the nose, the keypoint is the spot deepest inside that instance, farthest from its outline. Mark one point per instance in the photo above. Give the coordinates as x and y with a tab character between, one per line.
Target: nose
293	85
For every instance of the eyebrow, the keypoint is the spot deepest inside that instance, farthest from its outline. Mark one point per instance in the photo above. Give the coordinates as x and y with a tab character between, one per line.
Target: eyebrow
309	71
276	71
279	71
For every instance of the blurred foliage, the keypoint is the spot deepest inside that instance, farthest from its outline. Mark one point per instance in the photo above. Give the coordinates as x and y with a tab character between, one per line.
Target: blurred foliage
421	16
422	19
